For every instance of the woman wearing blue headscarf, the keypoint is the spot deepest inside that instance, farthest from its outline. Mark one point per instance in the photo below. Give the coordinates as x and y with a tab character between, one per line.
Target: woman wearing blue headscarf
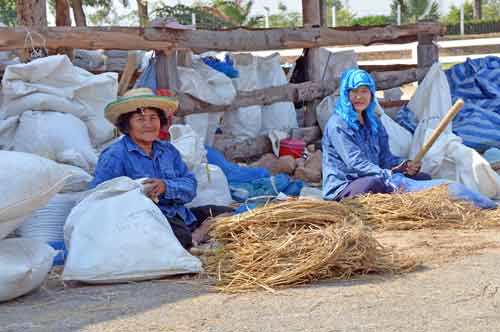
356	154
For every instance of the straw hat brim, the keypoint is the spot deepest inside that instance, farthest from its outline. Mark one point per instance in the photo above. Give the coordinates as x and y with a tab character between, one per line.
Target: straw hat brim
129	104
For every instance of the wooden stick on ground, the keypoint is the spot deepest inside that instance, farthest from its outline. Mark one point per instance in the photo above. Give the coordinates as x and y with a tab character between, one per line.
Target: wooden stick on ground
439	130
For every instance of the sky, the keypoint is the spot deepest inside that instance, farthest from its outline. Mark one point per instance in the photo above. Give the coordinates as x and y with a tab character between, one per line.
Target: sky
360	7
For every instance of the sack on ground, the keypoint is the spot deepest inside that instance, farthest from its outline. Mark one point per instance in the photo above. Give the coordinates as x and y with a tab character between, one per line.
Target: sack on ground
78	180
56	136
117	234
212	189
47	223
189	144
27	183
25	264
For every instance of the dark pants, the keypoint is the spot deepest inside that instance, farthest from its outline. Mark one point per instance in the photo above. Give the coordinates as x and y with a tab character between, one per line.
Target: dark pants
183	232
374	185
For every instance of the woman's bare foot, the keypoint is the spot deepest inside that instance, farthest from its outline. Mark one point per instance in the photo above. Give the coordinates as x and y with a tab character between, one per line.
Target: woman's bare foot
200	234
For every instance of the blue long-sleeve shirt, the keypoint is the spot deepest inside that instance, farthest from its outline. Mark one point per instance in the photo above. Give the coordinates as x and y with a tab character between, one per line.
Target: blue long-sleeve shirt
125	158
350	153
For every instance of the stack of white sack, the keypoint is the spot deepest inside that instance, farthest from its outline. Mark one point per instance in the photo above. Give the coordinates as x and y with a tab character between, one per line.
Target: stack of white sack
259	73
27	182
54	84
211	86
135	242
213	187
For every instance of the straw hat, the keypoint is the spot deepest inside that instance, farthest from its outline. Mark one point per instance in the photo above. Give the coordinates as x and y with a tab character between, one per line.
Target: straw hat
138	98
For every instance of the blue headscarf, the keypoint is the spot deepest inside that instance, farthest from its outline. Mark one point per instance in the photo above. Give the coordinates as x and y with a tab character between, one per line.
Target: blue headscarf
352	79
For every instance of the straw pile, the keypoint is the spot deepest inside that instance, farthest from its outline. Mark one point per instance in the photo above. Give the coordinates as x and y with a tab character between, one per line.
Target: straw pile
426	209
295	242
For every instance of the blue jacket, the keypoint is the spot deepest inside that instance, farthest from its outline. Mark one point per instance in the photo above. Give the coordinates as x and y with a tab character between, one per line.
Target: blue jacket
352	150
125	158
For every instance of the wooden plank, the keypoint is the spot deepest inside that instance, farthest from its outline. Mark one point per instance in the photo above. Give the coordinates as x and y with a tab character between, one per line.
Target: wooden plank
128	73
427	51
307	91
125	38
63	18
167	76
31	14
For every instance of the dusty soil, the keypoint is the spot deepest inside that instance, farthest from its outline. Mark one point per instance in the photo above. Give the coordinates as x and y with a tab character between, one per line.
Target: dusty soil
456	290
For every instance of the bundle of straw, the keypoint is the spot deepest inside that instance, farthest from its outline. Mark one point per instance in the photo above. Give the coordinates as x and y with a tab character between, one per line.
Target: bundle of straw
295	242
432	208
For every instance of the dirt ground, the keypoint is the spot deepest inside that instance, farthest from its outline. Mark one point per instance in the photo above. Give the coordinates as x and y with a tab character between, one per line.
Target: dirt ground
456	290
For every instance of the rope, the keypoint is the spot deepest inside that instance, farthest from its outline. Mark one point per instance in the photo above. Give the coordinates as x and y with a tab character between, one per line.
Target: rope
35	52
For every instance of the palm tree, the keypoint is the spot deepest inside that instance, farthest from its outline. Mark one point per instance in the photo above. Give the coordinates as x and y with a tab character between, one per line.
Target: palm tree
237	11
413	11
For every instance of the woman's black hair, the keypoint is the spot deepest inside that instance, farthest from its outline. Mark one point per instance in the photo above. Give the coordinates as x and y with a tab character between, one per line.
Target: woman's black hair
123	122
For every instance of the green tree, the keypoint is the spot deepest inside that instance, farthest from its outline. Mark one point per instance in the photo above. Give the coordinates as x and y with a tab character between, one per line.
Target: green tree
344	16
284	19
238	11
8	12
373	20
413	10
491	9
453	16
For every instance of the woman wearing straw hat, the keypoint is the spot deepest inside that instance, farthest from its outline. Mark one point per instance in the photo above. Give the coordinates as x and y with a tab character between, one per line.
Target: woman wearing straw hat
139	115
356	154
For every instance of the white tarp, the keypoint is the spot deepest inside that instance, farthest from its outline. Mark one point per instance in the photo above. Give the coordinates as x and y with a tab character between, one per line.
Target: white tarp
135	242
54	84
448	158
25	263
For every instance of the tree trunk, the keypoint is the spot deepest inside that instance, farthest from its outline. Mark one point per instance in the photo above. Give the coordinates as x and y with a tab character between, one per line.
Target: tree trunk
31	14
142	8
477	12
63	18
79	14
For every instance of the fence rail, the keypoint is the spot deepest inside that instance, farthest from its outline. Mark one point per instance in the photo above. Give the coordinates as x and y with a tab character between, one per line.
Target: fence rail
474	28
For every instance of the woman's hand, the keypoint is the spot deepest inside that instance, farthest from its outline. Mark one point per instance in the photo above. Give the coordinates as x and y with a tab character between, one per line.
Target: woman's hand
412	167
155	187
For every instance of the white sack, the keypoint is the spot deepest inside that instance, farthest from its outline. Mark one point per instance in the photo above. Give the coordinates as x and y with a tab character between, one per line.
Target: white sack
206	84
246	122
8	129
117	234
78	180
25	264
333	64
54	84
205	124
27	182
448	158
280	115
212	189
57	136
189	145
47	223
324	111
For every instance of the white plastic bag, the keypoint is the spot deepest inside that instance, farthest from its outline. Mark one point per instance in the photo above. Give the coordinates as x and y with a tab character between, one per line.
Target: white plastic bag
25	264
246	122
212	189
53	84
448	158
27	182
279	115
56	136
117	234
47	223
189	145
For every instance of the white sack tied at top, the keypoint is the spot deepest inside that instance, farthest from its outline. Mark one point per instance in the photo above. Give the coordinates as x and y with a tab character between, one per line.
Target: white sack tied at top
448	158
54	84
